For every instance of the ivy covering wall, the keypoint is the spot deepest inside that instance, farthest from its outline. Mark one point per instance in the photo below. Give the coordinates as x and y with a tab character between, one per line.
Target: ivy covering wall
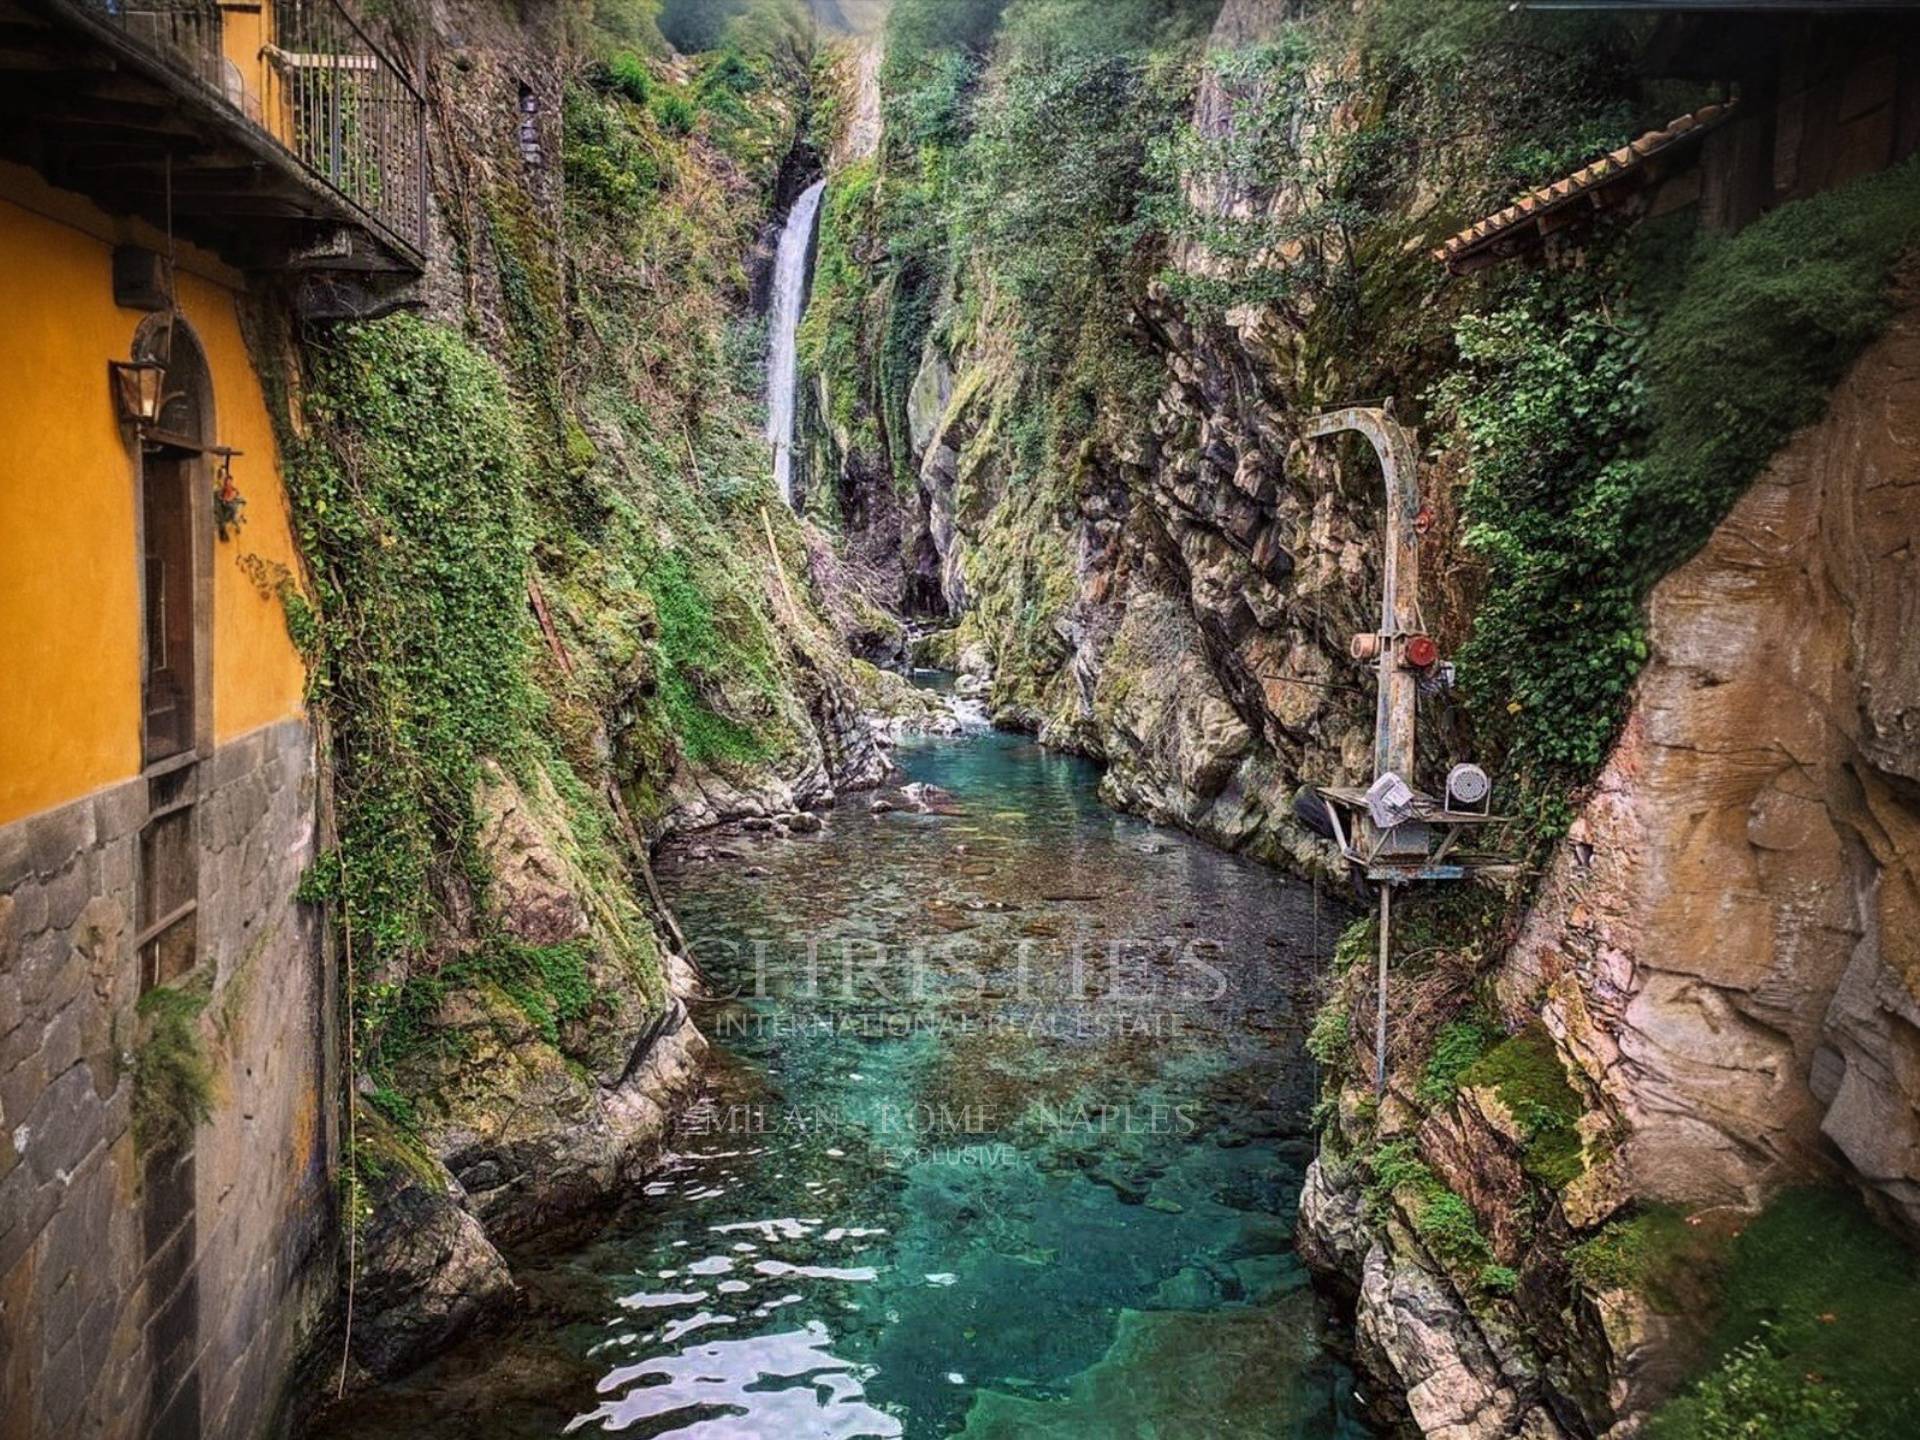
582	440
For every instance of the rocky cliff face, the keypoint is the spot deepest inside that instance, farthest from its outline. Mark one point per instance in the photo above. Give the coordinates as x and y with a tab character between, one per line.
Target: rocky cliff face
1729	953
519	1128
1173	598
629	635
1722	954
1711	993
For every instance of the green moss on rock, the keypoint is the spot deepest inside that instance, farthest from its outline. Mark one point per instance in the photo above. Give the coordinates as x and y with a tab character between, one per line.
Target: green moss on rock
1525	1072
1443	1220
1456	1049
1644	1253
1816	1336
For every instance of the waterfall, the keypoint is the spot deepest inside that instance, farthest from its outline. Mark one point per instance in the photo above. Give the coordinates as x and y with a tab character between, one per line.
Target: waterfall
789	298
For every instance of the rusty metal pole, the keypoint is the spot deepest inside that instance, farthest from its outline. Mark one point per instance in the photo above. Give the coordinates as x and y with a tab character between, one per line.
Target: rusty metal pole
1393	726
1395	706
1380	1000
1394	444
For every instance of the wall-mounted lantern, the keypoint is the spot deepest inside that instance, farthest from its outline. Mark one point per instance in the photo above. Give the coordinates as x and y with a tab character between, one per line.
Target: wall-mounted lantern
138	390
228	502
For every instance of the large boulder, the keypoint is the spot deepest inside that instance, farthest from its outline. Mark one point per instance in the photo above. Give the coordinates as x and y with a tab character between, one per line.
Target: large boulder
1728	948
524	1118
426	1271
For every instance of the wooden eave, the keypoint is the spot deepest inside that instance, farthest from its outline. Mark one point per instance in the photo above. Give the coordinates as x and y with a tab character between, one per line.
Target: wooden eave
1597	186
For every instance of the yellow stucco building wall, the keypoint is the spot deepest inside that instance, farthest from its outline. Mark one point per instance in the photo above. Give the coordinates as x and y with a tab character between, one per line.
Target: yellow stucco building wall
70	617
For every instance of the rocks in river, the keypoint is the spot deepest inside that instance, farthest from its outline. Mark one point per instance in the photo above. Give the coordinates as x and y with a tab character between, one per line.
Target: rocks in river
1190	1289
803	822
1262	1277
699	854
930	799
1130	1190
918	798
1175	1372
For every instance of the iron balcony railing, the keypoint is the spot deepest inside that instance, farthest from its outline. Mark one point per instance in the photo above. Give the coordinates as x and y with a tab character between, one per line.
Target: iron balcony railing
348	114
310	78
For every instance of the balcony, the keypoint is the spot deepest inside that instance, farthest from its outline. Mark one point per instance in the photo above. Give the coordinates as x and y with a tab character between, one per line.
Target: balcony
276	134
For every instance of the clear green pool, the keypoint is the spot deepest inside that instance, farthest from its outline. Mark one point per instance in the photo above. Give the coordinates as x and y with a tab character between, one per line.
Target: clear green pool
1003	1138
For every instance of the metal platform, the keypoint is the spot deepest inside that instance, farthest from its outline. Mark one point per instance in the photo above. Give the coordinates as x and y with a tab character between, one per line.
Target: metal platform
1407	852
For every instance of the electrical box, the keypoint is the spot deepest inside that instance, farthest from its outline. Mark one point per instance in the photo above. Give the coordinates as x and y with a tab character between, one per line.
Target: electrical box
139	279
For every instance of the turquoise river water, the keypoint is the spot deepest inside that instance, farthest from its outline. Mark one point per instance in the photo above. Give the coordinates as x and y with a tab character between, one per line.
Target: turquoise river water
1003	1138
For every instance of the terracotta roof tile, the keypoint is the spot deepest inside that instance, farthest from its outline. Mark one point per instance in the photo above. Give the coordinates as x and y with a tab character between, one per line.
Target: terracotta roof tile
1608	166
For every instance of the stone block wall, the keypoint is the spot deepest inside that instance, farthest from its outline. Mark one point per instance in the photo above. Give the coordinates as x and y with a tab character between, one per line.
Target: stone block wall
163	1293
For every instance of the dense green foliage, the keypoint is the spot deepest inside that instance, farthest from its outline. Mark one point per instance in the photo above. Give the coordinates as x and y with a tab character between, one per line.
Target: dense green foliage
408	501
1012	192
833	329
692	645
1755	1394
655	241
590	439
172	1081
1327	1037
1357	135
1815	1338
1614	414
1058	190
1292	259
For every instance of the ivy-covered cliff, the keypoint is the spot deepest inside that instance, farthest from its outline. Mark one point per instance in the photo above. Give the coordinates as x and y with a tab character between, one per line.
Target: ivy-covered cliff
1071	307
558	613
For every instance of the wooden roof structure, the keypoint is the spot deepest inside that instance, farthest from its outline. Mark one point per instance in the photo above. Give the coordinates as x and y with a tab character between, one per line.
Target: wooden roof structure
1597	186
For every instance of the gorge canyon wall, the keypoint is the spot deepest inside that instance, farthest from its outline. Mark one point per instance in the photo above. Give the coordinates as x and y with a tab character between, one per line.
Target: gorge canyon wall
1705	993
